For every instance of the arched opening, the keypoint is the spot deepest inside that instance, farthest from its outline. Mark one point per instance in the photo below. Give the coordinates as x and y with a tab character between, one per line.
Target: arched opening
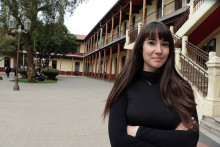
54	64
6	61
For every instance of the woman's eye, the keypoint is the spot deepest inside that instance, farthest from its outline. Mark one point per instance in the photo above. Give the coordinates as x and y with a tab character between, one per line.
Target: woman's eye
165	44
151	43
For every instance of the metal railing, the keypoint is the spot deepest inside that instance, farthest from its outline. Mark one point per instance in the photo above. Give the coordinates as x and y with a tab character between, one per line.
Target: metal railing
196	75
181	21
197	4
197	55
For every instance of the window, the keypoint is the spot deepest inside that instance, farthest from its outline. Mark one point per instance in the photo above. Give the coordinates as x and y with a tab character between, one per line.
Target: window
210	46
54	64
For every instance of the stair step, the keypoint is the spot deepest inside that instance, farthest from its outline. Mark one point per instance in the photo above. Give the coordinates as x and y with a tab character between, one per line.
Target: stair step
207	138
211	127
213	120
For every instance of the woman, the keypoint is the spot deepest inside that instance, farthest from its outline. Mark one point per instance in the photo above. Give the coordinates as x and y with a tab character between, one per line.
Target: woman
150	104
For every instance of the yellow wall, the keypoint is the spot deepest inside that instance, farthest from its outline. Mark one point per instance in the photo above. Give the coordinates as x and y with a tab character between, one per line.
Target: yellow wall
169	7
81	47
67	65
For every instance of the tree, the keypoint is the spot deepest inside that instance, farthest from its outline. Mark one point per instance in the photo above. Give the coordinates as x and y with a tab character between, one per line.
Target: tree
68	44
38	11
8	44
47	40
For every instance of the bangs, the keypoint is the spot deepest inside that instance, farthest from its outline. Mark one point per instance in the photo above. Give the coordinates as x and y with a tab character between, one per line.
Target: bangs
155	30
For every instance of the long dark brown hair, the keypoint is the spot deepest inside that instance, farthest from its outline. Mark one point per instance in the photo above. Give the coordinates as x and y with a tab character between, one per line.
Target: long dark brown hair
174	90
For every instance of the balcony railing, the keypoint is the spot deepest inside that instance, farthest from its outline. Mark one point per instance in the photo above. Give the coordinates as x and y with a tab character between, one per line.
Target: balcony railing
197	55
177	40
115	36
196	75
122	33
133	35
181	20
197	4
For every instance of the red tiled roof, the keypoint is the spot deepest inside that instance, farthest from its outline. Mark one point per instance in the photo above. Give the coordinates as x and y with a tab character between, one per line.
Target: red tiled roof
80	37
78	54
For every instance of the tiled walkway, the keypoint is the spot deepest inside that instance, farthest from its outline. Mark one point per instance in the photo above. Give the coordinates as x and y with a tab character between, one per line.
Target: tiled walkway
66	114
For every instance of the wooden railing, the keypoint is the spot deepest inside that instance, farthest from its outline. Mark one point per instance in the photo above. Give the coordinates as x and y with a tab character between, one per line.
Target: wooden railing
197	55
197	4
196	75
181	20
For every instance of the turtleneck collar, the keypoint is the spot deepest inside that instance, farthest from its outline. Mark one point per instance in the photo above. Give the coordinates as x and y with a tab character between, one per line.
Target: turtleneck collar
151	77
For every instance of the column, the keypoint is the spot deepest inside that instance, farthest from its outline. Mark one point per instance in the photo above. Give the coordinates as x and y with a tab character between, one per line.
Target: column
110	64
118	59
104	64
212	101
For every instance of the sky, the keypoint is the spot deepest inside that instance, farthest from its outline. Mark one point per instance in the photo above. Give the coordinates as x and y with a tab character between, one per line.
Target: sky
87	15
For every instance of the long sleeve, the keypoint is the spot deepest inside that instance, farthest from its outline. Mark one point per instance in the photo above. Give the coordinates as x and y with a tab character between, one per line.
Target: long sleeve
118	126
169	138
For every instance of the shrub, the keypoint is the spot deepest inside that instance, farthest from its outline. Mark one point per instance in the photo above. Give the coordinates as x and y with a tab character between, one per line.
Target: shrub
51	73
1	78
23	73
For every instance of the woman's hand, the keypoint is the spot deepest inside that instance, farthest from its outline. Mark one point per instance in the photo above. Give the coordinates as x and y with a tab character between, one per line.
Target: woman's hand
132	130
183	127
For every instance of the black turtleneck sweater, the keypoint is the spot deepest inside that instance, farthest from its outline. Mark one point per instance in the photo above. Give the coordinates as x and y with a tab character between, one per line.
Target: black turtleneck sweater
141	105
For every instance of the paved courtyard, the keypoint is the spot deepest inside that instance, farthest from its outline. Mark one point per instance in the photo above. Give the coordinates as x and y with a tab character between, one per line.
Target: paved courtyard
65	114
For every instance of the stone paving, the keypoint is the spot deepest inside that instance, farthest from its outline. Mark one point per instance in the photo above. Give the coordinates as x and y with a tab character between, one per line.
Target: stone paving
64	114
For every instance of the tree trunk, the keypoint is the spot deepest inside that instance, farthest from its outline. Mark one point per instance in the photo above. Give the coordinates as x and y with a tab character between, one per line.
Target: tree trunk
30	60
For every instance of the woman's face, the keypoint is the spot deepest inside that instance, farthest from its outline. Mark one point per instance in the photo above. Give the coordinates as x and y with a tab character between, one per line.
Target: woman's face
155	54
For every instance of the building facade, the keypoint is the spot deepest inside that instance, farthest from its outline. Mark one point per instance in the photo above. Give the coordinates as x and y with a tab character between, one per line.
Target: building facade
195	25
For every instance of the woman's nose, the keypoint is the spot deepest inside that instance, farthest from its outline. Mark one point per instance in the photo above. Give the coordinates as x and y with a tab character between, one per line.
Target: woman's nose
158	49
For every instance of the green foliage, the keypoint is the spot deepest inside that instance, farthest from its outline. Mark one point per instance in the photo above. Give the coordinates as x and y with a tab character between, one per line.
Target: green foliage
50	73
68	44
42	13
53	38
23	73
7	45
1	78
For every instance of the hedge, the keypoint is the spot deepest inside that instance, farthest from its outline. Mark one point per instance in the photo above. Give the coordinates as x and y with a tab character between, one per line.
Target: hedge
51	73
23	73
1	78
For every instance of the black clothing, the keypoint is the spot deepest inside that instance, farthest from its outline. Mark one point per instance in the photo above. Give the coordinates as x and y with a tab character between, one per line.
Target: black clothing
141	105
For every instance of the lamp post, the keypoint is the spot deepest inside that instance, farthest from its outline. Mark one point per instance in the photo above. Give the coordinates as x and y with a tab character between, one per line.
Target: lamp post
12	25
